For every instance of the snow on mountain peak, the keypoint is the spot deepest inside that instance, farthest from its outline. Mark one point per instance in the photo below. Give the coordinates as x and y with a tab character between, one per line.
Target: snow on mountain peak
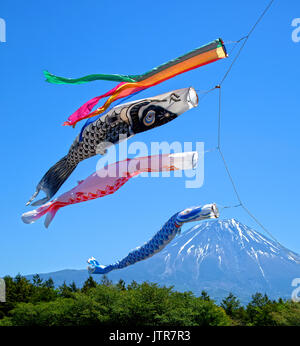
215	237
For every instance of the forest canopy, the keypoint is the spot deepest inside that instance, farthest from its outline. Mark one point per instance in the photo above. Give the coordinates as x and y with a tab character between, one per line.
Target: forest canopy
39	303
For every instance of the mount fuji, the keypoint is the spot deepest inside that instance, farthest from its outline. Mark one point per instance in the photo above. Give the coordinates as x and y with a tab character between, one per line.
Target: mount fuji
219	257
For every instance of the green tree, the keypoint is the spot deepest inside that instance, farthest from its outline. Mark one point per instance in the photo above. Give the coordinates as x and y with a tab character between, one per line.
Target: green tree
231	305
133	285
259	310
105	281
88	284
73	287
286	314
38	303
204	296
49	283
121	285
18	289
65	291
79	311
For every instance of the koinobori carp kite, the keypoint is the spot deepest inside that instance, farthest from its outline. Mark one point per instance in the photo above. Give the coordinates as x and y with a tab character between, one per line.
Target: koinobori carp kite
118	124
163	237
131	84
109	179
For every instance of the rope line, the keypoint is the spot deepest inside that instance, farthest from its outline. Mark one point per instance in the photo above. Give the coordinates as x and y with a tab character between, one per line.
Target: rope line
204	93
241	203
218	148
228	206
245	38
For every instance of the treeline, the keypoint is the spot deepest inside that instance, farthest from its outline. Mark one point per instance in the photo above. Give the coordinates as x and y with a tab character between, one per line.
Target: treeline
39	303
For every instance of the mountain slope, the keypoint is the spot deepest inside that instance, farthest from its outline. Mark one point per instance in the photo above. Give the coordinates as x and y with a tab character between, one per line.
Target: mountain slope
216	256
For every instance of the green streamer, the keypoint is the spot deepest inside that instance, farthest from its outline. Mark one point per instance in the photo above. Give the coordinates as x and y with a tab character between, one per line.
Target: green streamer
51	78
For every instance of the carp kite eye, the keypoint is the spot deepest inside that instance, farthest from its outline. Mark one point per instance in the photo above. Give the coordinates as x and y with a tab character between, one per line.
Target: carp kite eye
149	119
186	211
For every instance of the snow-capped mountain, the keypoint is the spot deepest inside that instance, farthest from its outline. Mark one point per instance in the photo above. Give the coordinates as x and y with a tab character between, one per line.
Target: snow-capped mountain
219	256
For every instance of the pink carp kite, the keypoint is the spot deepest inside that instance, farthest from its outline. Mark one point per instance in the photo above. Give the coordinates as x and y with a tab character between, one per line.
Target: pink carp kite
109	179
131	84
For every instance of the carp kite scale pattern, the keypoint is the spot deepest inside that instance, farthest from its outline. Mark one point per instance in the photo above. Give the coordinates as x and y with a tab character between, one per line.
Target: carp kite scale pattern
118	124
109	179
163	237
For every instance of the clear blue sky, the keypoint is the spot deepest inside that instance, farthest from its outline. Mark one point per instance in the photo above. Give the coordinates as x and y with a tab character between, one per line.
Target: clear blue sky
73	38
